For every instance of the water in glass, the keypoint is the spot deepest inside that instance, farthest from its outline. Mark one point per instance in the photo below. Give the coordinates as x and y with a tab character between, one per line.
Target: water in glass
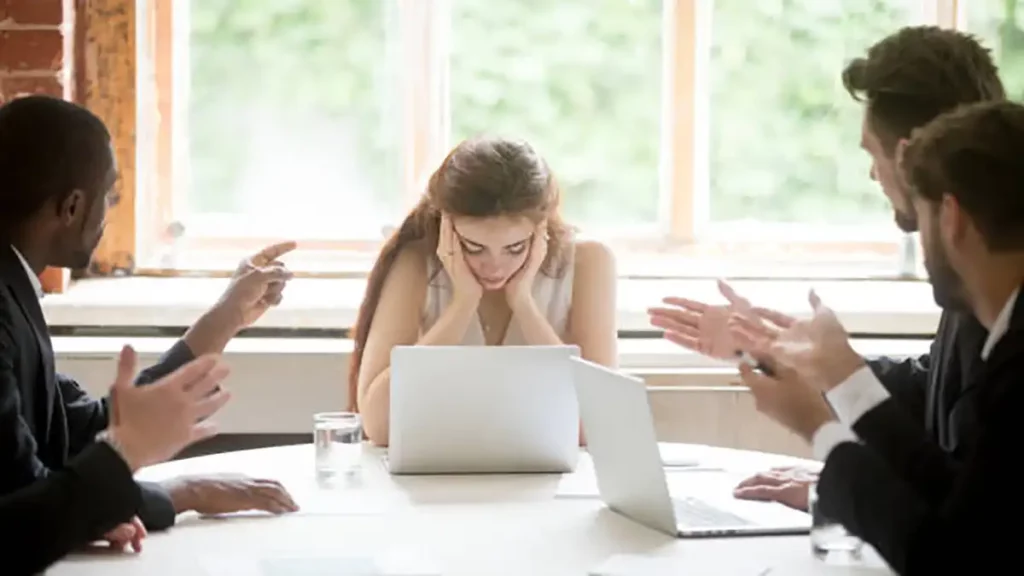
828	537
337	437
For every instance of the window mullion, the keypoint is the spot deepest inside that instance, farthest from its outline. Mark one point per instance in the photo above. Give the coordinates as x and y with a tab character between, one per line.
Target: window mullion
424	89
683	139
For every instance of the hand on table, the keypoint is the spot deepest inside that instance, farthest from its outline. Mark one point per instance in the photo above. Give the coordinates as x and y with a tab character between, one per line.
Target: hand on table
129	534
786	485
227	494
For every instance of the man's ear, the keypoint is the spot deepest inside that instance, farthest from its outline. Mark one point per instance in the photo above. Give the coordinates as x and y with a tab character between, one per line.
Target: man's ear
72	207
953	221
901	148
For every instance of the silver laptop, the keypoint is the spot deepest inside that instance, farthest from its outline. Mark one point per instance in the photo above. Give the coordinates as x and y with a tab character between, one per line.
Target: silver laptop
631	479
483	409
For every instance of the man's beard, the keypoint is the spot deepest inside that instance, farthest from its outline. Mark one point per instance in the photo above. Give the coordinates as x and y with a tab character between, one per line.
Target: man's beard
947	286
906	222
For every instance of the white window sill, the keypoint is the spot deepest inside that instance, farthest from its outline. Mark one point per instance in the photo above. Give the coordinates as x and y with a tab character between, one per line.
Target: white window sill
648	355
875	307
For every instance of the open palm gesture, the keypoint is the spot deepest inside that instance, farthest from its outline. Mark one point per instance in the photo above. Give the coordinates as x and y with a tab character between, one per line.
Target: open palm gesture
707	328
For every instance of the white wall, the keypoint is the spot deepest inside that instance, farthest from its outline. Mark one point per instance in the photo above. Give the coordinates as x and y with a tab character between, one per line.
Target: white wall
277	384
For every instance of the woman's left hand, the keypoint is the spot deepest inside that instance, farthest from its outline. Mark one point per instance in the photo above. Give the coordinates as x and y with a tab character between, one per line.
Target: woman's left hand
519	290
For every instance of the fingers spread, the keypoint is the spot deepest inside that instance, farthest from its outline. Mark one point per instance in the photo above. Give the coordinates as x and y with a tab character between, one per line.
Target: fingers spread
208	383
774	316
732	296
126	366
209	405
189	373
813	298
684	340
685	303
677	320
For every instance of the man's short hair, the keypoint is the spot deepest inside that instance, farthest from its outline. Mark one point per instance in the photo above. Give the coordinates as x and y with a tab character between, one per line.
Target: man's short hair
48	148
974	155
917	73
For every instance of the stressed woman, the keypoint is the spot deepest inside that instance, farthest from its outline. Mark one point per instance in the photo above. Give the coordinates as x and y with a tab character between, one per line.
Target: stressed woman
483	259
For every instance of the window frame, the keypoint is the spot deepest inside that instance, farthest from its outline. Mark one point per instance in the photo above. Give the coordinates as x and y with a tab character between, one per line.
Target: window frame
140	238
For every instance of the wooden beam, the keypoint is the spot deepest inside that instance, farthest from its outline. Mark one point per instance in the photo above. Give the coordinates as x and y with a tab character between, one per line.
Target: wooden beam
105	77
680	110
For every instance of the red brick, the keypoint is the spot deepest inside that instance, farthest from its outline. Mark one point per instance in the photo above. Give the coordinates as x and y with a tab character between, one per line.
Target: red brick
31	50
15	87
37	12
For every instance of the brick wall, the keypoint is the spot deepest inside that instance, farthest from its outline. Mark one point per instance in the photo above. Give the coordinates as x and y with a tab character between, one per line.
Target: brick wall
32	61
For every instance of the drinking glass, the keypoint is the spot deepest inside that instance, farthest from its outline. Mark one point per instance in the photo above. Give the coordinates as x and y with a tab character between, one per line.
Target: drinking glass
828	537
338	438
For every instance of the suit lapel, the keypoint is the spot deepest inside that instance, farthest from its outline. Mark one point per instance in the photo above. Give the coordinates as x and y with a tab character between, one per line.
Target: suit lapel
14	274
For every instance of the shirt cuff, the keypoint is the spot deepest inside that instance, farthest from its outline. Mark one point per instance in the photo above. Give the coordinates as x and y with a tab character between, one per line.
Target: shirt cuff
828	437
857	395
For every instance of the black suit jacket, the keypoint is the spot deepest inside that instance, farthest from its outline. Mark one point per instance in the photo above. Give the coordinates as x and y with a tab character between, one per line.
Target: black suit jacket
47	519
45	417
926	511
935	389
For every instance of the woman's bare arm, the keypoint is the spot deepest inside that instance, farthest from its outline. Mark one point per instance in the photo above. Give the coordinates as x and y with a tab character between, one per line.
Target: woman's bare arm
592	318
397	323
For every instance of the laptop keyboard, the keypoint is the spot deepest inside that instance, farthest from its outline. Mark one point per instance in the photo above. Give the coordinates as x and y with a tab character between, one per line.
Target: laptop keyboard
698	514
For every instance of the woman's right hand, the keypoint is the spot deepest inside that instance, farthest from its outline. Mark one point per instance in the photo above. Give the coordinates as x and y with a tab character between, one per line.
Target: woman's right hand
449	252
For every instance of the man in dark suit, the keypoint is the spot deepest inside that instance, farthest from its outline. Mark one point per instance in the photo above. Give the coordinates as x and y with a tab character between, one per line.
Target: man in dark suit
58	175
47	519
905	80
884	479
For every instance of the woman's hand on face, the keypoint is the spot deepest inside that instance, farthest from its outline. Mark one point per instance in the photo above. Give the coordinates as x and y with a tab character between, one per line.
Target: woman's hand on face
519	290
449	252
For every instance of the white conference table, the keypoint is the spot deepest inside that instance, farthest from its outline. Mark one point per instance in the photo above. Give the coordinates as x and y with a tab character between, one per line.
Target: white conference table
450	525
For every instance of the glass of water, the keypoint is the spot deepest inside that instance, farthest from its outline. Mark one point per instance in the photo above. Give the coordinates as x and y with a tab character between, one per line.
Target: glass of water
828	537
338	438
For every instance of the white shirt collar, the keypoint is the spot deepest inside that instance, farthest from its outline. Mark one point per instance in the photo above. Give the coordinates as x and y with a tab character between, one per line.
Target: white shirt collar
37	284
1000	326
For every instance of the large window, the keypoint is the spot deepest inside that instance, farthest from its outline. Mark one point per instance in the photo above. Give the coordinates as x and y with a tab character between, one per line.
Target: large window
291	118
686	133
581	80
783	132
1000	25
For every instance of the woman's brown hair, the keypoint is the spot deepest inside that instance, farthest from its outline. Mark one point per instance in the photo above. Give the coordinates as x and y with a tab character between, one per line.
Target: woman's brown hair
480	178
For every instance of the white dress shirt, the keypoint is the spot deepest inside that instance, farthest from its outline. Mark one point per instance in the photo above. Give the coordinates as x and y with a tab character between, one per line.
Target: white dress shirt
37	284
862	391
